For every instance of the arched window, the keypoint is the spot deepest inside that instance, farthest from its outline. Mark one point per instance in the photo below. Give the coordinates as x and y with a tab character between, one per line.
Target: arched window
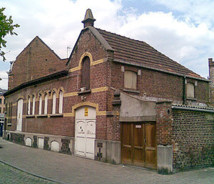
33	107
28	107
40	104
54	103
60	101
85	78
46	104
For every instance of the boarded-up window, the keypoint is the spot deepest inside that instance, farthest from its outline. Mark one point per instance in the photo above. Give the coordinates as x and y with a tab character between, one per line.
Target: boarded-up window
190	90
130	80
85	79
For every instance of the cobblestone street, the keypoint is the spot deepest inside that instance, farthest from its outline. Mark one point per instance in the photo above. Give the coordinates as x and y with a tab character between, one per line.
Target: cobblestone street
10	175
70	169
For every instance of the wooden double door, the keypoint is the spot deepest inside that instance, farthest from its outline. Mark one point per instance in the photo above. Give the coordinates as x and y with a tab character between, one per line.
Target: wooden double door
138	144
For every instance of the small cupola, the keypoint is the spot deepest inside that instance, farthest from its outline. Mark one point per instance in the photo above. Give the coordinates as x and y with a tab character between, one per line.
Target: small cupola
89	19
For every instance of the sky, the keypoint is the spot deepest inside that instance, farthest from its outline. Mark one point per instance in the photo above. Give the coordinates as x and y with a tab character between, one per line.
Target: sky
181	29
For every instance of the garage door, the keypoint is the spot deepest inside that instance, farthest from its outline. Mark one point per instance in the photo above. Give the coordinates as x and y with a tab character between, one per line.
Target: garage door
139	144
85	132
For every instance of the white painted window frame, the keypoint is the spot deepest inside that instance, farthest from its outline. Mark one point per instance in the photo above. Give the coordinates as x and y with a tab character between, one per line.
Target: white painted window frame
33	105
60	102
54	103
46	104
40	104
28	107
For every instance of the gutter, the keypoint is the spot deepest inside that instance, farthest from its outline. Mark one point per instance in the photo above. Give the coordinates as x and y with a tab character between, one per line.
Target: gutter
190	108
37	81
159	70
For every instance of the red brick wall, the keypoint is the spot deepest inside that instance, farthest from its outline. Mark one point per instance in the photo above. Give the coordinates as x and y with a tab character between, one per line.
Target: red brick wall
35	61
158	84
164	123
87	43
71	83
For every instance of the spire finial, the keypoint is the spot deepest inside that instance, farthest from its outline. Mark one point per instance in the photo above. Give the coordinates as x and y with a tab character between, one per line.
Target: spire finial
89	19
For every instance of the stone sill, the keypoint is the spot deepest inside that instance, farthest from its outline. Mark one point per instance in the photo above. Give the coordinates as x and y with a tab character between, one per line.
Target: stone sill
30	116
131	91
192	99
42	116
56	115
84	92
9	124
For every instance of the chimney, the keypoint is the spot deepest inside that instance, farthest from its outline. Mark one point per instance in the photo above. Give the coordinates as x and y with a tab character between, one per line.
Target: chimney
89	19
211	78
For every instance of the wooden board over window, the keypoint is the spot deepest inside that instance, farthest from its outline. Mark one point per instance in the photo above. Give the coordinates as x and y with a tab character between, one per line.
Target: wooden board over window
190	90
130	80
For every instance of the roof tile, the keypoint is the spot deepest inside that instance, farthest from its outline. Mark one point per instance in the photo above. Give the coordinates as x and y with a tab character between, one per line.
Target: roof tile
131	50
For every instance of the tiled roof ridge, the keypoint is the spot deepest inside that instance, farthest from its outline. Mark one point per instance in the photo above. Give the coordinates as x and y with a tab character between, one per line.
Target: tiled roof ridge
158	52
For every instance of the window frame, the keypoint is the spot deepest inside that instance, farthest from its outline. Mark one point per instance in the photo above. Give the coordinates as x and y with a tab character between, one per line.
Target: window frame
46	103
85	73
188	92
54	102
29	105
125	80
60	102
40	104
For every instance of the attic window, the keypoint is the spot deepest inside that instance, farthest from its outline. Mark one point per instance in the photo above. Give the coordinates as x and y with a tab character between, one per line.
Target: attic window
190	90
130	80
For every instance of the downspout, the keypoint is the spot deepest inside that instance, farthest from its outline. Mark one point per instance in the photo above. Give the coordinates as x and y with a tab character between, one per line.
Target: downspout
184	90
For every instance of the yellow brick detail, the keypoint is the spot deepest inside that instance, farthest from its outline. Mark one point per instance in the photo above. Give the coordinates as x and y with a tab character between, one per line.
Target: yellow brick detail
70	94
74	69
95	90
97	62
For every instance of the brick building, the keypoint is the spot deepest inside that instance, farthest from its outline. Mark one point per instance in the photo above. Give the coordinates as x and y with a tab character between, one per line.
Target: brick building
114	99
2	109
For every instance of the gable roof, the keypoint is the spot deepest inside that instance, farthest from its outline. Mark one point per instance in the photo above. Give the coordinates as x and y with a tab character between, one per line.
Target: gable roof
97	35
141	53
37	37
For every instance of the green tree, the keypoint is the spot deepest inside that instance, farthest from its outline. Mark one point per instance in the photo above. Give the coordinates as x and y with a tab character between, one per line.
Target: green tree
6	28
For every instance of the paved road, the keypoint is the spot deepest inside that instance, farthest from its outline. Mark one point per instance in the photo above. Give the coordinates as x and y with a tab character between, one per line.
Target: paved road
70	169
10	175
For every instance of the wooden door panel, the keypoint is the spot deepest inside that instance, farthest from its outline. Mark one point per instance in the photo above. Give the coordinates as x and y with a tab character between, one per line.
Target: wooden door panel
138	144
126	143
150	147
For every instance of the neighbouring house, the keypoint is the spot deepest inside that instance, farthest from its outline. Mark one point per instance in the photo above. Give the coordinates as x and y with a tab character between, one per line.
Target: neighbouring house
2	111
114	99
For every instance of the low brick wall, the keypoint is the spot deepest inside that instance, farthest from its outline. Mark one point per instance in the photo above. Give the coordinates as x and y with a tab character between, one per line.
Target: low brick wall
192	138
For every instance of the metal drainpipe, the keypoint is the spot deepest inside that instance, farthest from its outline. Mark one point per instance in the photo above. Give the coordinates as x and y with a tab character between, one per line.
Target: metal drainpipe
184	90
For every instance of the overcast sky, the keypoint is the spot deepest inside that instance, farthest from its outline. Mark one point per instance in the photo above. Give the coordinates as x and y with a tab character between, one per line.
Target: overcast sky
181	29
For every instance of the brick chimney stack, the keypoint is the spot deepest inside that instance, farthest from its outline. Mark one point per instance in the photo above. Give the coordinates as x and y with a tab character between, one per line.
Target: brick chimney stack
89	19
211	78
